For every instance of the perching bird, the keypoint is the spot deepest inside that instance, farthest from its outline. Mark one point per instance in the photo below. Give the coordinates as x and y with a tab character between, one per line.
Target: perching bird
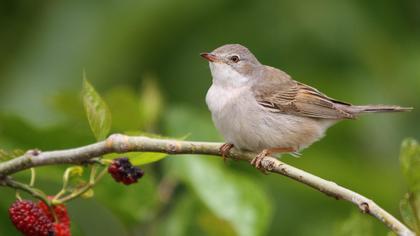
262	109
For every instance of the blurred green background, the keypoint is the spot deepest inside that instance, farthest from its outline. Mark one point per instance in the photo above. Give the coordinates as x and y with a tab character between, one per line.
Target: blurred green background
143	58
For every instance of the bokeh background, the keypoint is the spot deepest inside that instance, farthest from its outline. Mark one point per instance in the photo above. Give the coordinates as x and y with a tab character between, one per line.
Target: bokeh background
143	58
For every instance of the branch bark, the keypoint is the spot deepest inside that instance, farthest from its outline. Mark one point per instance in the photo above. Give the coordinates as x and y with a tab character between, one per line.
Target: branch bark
118	143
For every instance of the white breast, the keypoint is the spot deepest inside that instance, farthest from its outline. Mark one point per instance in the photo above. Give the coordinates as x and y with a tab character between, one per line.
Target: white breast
232	113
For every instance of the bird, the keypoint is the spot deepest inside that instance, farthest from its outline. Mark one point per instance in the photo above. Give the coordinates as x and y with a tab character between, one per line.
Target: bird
261	109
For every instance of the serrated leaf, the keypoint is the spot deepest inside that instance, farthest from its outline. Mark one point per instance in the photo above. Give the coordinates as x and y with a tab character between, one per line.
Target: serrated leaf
97	111
410	163
139	158
409	208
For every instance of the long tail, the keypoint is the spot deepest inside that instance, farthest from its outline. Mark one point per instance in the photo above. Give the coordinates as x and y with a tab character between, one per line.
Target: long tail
376	108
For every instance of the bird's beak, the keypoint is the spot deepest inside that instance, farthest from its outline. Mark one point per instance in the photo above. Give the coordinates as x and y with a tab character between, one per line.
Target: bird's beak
209	56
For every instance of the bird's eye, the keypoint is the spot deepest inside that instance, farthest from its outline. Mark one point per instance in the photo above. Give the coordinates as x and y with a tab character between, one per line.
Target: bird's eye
234	58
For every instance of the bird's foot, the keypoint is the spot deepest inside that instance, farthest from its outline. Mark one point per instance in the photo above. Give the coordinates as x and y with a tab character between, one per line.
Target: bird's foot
257	161
225	149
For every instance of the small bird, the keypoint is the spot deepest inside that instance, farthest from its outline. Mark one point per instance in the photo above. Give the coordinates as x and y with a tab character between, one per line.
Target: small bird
262	109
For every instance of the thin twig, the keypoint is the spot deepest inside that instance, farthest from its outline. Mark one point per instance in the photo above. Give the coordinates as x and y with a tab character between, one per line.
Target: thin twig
118	143
26	188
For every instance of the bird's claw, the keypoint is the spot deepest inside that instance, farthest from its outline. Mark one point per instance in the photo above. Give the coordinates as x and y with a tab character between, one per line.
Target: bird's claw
256	161
225	149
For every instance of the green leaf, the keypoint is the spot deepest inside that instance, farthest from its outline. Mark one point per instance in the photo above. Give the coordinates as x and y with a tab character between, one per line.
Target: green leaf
356	225
410	208
139	158
410	163
97	111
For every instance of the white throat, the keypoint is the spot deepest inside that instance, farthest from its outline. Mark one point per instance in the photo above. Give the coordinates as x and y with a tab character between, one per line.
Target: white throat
225	76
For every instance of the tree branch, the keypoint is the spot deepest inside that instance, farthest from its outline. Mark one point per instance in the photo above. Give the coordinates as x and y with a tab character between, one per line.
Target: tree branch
118	143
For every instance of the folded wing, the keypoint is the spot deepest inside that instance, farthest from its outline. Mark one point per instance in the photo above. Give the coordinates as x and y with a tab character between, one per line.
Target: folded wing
276	91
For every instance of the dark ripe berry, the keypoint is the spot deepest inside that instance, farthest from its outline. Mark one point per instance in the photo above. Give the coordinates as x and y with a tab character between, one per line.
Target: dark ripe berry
123	171
62	227
30	219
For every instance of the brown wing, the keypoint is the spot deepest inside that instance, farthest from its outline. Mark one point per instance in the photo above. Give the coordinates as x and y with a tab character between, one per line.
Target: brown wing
279	93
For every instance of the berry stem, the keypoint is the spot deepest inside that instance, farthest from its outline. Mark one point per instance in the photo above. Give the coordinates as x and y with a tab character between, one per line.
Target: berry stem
33	177
93	180
74	170
31	190
26	188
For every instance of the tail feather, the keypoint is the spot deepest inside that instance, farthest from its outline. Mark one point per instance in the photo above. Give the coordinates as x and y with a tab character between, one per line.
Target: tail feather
377	108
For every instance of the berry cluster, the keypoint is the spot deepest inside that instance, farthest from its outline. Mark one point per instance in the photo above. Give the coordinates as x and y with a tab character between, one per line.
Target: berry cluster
37	220
30	219
123	171
62	227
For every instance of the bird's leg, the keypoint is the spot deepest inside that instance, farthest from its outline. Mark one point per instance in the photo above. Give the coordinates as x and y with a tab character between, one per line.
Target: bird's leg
225	149
256	161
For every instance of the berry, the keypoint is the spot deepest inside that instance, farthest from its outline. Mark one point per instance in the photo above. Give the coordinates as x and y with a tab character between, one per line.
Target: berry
62	227
123	171
29	219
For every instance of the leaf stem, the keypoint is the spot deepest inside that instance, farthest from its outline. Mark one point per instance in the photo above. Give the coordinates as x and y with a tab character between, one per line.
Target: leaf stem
93	180
33	177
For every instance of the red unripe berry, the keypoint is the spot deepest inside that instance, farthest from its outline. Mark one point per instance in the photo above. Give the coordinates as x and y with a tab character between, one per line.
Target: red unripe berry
30	219
62	227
